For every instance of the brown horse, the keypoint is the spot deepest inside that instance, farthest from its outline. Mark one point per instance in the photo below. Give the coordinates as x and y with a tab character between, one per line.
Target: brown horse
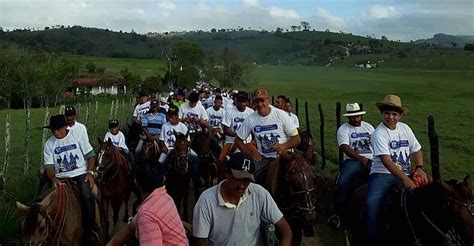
116	181
179	173
45	221
307	146
439	213
291	182
133	135
201	143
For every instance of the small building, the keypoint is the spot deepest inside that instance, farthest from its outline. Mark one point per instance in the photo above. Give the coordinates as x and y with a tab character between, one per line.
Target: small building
365	64
95	86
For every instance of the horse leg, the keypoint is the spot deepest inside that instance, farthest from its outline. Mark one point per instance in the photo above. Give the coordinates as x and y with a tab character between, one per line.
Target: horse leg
126	199
105	207
296	230
116	203
185	194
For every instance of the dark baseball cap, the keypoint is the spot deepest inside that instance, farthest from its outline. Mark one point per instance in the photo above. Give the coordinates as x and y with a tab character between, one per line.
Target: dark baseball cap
154	102
69	111
173	110
242	96
113	123
56	122
242	166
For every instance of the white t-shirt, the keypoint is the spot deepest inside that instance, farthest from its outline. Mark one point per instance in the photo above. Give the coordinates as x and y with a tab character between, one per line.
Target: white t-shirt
234	120
215	117
197	112
399	144
67	154
276	127
80	129
167	135
358	138
117	140
141	110
295	119
228	103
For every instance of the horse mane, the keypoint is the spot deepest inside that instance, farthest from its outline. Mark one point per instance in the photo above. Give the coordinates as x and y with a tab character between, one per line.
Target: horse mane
31	220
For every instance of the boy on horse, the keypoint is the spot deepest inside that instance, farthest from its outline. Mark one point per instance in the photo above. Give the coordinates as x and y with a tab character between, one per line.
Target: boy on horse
69	156
353	138
142	107
394	145
216	115
117	138
273	129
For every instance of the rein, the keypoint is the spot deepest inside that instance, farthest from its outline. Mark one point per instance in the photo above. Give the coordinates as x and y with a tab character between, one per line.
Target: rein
56	225
306	191
105	169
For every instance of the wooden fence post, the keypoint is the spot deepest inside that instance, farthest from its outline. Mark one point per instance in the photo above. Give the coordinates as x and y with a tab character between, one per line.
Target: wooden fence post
296	107
78	109
87	114
61	109
96	113
338	124
273	100
116	108
321	132
26	154
434	149
306	113
121	112
43	138
111	114
6	161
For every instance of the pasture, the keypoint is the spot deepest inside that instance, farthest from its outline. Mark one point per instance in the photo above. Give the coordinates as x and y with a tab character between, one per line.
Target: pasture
447	95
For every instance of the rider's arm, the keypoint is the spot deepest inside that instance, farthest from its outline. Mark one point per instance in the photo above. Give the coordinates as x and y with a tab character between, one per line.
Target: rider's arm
124	235
291	143
390	165
202	242
285	232
353	155
228	131
239	143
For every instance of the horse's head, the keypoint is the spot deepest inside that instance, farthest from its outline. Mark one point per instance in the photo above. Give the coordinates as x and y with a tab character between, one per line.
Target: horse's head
307	146
181	149
36	226
202	144
461	205
133	135
106	160
300	182
150	150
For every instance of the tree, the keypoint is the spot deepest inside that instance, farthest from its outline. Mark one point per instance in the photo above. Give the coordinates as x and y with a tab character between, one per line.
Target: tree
152	84
279	30
469	47
90	67
213	30
293	28
384	38
133	81
305	25
454	44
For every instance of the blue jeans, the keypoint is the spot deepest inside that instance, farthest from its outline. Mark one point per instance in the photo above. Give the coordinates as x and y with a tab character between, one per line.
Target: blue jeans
380	184
349	171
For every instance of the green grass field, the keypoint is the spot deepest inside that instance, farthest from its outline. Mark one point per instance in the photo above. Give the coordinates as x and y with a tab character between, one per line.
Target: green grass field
446	94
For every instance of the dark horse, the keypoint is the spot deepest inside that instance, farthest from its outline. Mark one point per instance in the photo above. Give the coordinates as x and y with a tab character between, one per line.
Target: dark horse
179	173
292	186
438	213
133	135
201	143
115	180
55	218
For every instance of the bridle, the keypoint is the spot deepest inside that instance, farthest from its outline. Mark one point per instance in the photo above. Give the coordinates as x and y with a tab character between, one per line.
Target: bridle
104	169
308	203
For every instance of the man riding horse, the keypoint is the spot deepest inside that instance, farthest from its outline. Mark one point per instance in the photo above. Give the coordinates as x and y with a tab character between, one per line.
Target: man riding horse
152	123
69	156
274	131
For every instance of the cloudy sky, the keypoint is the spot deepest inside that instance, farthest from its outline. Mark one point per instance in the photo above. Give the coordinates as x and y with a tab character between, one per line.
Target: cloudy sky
396	19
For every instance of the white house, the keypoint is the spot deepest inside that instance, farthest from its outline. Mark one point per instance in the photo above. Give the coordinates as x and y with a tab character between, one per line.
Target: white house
95	86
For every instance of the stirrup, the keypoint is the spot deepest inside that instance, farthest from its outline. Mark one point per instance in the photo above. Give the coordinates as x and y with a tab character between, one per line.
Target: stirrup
334	221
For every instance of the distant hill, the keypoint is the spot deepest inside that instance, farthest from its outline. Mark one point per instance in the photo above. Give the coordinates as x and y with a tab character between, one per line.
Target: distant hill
445	40
260	47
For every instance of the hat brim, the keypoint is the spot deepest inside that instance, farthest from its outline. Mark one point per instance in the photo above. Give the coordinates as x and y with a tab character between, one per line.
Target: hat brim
354	114
242	175
53	128
379	105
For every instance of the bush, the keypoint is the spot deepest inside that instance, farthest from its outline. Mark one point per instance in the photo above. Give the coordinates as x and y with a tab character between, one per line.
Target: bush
90	67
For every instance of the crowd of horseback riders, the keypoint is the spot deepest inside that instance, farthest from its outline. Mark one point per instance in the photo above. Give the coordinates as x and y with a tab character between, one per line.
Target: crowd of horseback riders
249	163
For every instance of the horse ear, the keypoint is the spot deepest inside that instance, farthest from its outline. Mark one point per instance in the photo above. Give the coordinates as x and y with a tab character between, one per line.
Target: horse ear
174	132
109	141
22	208
468	183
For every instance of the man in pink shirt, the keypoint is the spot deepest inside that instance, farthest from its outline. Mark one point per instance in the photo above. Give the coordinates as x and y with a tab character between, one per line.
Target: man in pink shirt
157	221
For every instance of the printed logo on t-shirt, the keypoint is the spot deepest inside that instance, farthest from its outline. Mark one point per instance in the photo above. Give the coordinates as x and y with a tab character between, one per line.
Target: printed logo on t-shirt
238	120
191	114
398	144
361	146
264	128
360	135
67	163
268	141
170	141
402	160
60	149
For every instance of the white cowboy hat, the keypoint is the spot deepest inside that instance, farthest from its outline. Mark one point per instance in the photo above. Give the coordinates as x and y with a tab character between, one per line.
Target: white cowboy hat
353	109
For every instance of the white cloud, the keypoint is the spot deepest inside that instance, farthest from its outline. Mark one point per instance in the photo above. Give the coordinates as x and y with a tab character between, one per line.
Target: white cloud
166	4
254	3
277	12
379	11
325	19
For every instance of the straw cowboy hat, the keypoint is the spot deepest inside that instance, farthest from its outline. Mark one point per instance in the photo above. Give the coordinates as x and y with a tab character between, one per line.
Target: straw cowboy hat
353	109
392	101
